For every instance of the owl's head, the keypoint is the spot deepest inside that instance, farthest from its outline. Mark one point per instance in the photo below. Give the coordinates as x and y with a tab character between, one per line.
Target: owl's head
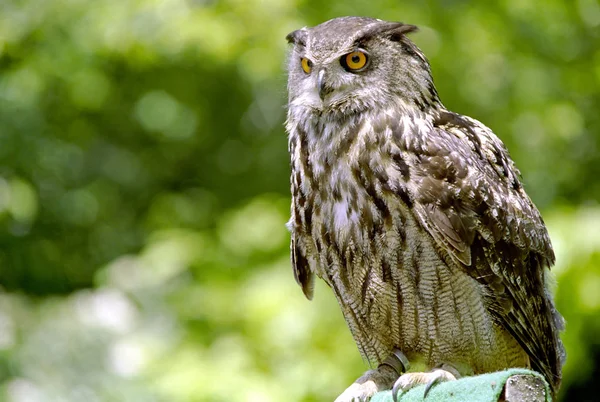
350	64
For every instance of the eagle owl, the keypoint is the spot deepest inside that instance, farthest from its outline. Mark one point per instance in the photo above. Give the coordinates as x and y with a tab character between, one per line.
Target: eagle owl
414	215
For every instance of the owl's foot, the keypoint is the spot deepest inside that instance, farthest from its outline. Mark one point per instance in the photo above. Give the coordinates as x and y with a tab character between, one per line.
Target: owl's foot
410	380
374	381
370	383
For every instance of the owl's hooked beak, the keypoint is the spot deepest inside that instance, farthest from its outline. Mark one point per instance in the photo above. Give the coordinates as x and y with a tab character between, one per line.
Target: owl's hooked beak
323	90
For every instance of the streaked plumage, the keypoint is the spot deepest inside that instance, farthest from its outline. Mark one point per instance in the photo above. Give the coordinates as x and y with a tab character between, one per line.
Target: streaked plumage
412	214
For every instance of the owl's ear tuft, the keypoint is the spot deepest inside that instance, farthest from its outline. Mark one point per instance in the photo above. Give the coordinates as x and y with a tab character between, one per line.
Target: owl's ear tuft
396	33
393	31
298	37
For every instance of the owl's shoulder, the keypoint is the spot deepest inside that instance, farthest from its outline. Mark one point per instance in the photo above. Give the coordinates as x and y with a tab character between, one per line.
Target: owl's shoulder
464	185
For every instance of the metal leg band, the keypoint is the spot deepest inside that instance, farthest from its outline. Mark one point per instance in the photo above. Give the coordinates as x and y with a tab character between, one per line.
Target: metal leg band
397	361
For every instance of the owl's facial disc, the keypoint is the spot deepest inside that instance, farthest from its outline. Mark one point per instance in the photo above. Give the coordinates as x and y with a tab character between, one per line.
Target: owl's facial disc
334	81
354	62
321	84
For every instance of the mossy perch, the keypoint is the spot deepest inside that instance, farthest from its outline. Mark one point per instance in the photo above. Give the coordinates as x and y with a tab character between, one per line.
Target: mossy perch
513	385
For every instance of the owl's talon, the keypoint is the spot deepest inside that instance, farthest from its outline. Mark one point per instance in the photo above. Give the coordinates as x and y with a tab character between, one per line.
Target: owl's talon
430	384
395	391
439	376
411	380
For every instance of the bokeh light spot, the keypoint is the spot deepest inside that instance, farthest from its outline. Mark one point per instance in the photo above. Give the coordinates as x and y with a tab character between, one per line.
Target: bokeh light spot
23	201
257	227
589	292
160	113
89	89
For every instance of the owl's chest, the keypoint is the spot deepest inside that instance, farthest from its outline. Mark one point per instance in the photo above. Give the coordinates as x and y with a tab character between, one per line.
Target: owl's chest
348	209
341	201
343	189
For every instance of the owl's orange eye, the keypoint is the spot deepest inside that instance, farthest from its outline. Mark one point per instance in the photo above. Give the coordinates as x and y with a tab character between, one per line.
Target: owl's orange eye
355	61
306	65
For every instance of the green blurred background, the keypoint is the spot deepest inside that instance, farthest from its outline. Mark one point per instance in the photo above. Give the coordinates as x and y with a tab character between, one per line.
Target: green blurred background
144	188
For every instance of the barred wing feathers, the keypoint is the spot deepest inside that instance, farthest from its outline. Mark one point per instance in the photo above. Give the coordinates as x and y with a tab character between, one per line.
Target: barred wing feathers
467	195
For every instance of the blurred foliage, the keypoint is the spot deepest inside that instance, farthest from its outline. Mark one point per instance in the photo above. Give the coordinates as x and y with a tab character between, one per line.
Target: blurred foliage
144	188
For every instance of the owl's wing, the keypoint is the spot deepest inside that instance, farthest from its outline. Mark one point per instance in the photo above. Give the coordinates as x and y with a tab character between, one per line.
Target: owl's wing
467	195
304	276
